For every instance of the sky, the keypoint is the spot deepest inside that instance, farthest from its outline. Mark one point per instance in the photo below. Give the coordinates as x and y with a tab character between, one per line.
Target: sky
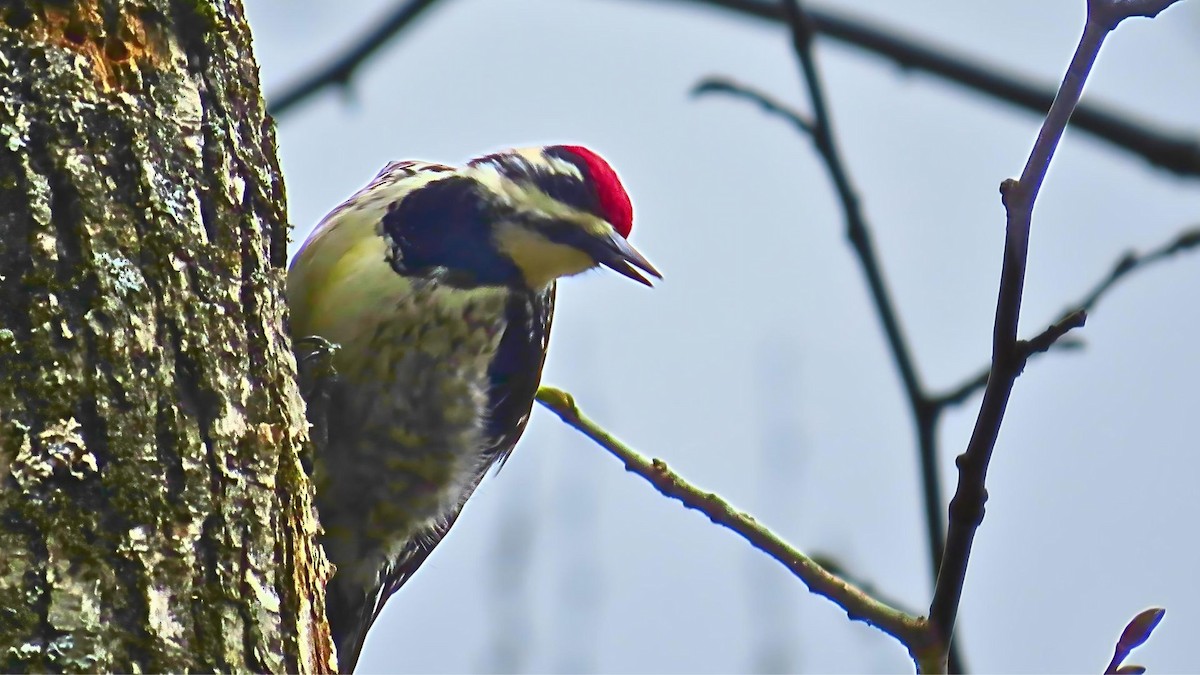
757	368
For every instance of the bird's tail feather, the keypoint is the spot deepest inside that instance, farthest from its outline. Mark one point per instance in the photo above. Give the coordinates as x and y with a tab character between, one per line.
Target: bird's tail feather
351	610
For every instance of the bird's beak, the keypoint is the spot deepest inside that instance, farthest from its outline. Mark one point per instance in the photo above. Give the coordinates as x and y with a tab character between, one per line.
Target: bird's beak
614	252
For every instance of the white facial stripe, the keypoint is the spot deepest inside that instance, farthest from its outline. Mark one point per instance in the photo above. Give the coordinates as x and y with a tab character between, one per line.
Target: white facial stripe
516	196
536	156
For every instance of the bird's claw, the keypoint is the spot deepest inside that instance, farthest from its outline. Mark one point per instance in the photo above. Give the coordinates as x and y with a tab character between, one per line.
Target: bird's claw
317	376
315	352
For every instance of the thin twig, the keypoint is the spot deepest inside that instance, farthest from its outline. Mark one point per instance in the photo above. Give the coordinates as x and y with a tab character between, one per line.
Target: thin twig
1176	152
723	85
859	606
1185	241
927	409
1043	341
967	506
836	568
340	70
858	232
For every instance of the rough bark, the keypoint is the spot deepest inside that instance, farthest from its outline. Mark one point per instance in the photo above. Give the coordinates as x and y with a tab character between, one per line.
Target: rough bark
154	514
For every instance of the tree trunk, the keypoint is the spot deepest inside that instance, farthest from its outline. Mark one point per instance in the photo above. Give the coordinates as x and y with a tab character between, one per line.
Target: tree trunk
154	514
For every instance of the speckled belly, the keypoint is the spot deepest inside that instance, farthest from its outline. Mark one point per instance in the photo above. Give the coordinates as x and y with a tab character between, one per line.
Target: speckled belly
408	420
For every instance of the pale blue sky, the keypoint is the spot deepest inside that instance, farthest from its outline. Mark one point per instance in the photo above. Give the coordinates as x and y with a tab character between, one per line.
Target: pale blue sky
757	369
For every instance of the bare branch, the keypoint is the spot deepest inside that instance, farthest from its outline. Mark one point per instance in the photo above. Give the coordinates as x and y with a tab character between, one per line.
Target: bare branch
858	232
340	70
722	85
967	507
926	409
1178	153
1185	241
859	606
1049	337
836	568
975	384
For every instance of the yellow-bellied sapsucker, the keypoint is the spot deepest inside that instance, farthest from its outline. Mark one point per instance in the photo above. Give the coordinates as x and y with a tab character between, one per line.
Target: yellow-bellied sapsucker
437	285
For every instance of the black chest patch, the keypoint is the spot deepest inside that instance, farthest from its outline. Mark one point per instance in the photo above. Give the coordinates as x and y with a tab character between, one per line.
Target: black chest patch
445	225
517	369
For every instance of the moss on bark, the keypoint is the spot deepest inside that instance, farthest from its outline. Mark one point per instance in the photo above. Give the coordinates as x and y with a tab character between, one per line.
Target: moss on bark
153	511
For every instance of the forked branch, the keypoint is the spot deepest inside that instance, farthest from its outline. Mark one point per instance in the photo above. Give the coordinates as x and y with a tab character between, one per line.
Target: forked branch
1019	196
1187	240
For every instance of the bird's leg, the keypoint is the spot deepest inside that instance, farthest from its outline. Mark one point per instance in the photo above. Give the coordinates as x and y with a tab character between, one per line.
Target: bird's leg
317	376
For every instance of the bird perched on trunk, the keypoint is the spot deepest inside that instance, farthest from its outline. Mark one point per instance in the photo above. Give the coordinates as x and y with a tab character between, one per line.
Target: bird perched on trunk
436	284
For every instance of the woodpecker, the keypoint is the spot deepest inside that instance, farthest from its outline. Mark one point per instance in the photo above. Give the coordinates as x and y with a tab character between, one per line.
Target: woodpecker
436	285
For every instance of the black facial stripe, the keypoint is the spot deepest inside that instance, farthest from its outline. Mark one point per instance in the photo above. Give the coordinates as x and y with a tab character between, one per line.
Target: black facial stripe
570	190
567	235
446	224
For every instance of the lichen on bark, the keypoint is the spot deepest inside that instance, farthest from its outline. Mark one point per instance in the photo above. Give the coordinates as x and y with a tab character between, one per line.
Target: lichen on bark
154	515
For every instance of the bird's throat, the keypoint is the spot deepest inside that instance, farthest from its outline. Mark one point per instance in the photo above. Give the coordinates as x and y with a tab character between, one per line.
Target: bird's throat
540	260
